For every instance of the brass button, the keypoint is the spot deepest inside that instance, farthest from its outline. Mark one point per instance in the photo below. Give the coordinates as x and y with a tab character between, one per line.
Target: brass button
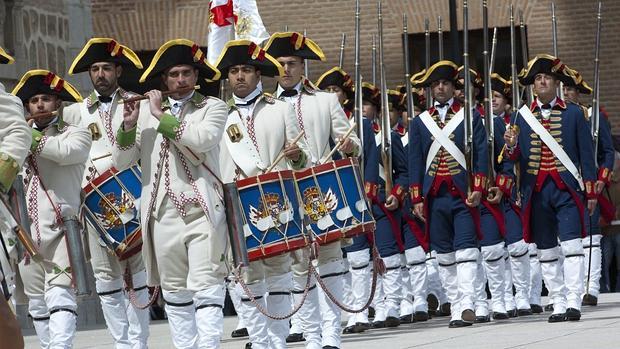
175	129
37	138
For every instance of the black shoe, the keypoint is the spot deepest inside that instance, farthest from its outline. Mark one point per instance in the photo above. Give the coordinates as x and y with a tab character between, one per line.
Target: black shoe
589	299
512	313
295	337
371	312
407	319
468	316
536	308
329	347
433	303
573	314
362	326
392	321
248	345
482	319
444	310
240	332
549	307
349	330
557	317
377	324
524	312
500	316
458	323
421	316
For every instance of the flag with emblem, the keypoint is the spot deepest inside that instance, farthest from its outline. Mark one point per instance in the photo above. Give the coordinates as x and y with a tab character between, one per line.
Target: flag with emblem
248	24
221	27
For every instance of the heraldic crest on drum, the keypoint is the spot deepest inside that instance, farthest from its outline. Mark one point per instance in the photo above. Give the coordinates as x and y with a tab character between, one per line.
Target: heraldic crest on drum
271	213
115	211
317	207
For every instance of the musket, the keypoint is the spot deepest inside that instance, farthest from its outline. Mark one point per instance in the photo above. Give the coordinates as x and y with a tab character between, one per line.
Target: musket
440	37
342	44
410	111
77	257
493	50
374	60
427	42
467	108
17	200
488	93
22	234
529	92
554	36
357	108
306	67
386	143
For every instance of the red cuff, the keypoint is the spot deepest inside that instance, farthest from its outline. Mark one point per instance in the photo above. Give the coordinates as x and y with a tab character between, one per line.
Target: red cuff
590	193
416	193
480	181
371	190
399	192
604	175
504	183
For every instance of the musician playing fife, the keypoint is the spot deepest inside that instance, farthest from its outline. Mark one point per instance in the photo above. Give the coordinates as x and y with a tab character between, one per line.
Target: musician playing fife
440	189
258	129
54	170
183	220
324	121
554	149
101	113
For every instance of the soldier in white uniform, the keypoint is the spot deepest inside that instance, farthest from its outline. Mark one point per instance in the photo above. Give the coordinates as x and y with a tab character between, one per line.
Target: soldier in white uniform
101	113
176	139
259	127
54	171
322	118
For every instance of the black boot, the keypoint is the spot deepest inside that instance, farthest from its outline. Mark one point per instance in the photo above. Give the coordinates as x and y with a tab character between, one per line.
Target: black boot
549	307
589	299
458	323
573	314
392	321
295	337
557	317
500	316
444	310
421	316
240	332
407	319
524	312
536	308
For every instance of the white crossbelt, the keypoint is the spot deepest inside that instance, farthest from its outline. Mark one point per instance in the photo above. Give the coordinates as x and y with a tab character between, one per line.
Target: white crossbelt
551	143
442	138
243	152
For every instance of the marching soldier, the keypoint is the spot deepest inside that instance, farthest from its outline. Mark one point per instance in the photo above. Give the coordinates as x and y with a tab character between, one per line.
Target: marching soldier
322	118
258	128
339	82
439	187
387	237
414	306
518	264
175	139
555	152
604	209
54	172
101	113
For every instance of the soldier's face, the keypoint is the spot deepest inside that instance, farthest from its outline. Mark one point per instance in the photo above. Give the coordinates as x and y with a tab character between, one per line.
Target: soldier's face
369	110
342	97
104	76
180	76
43	103
545	86
442	90
243	79
293	70
499	103
571	94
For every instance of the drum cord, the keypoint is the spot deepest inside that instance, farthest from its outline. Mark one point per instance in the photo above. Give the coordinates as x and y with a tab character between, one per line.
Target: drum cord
250	294
133	296
378	269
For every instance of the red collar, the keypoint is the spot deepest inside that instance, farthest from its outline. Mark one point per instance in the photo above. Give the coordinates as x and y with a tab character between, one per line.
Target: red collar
455	107
376	127
400	129
558	102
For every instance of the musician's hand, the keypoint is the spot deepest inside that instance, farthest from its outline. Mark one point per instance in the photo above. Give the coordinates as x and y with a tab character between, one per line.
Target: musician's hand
494	195
473	200
591	206
131	111
292	151
155	103
347	146
598	187
510	137
391	203
418	211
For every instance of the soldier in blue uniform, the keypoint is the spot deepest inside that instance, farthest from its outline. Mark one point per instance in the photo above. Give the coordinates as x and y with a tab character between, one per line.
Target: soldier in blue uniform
414	306
555	152
387	239
439	186
604	209
518	263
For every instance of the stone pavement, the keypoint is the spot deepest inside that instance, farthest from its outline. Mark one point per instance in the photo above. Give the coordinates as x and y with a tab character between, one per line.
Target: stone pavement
599	328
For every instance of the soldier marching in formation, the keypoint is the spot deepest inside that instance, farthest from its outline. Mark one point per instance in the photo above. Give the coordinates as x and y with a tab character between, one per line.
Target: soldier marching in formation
412	210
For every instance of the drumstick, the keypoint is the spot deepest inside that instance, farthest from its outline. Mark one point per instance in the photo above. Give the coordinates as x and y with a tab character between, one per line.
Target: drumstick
164	94
42	115
281	155
101	157
339	144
